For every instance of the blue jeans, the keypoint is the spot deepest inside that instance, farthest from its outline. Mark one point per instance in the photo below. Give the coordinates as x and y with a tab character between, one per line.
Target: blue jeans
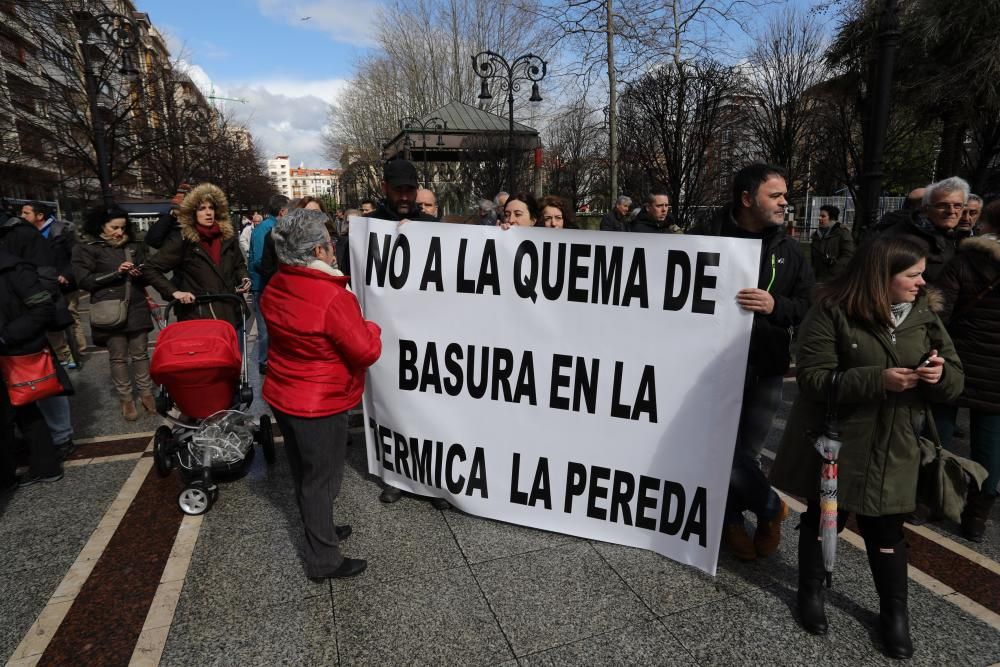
261	330
984	439
748	487
55	409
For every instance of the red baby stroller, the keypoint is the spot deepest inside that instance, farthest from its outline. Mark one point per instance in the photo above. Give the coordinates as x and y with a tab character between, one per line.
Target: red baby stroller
200	370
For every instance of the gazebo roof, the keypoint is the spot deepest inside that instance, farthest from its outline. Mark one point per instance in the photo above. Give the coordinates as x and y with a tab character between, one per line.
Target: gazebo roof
462	117
463	120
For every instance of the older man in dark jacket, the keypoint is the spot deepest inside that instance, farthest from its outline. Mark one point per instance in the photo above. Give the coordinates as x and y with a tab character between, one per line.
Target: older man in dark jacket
934	223
779	302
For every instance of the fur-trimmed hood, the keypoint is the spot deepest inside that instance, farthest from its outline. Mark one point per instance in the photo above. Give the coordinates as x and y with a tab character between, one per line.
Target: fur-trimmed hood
989	244
935	299
186	216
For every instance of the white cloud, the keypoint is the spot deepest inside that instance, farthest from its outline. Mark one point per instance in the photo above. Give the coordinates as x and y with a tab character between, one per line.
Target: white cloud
347	21
287	117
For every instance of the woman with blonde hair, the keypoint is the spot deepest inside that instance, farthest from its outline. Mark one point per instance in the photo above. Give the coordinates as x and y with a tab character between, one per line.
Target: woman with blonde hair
205	257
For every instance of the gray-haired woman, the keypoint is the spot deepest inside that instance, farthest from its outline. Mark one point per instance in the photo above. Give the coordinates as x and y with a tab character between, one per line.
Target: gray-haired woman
320	346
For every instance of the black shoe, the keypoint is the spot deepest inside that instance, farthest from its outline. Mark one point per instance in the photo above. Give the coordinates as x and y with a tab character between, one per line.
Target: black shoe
351	567
28	480
889	572
262	369
343	532
390	494
811	613
65	450
440	503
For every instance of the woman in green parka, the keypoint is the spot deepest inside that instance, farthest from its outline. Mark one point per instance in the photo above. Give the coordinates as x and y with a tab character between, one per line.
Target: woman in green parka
874	327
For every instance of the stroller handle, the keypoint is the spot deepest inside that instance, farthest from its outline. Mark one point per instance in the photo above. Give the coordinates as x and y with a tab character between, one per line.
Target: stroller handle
208	298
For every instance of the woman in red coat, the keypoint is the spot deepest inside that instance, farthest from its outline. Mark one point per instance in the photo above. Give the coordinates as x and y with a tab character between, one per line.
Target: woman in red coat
320	347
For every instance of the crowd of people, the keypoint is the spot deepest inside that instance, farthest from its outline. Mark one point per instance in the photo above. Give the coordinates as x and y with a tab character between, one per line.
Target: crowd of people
897	333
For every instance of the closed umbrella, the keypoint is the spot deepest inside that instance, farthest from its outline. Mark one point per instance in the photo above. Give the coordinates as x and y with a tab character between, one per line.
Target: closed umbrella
828	446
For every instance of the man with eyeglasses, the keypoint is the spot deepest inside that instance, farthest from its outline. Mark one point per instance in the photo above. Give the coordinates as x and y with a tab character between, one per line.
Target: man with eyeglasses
935	223
427	203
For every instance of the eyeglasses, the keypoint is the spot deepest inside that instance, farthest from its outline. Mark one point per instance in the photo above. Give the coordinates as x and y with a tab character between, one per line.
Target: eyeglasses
944	207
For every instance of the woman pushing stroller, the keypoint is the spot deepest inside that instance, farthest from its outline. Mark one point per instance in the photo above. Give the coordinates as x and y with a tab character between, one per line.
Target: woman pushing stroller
205	257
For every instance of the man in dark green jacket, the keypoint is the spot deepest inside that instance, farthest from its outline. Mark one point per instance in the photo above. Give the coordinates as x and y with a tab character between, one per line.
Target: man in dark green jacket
832	245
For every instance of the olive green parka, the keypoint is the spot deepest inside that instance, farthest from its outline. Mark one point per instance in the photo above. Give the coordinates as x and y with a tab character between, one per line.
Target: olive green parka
880	456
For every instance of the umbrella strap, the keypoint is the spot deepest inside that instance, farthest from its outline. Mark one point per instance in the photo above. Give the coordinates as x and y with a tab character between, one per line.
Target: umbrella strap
831	403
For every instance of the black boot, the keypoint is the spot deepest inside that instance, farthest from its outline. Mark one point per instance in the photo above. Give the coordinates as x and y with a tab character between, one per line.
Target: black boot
977	512
811	577
889	573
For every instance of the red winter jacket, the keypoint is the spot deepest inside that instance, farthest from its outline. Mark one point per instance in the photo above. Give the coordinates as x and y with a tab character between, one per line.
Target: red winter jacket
319	344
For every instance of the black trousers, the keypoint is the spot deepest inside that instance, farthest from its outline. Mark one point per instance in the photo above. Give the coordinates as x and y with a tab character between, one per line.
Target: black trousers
42	454
881	532
315	449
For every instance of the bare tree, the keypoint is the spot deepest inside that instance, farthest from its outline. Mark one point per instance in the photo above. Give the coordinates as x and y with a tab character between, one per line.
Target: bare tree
576	158
672	122
784	68
417	71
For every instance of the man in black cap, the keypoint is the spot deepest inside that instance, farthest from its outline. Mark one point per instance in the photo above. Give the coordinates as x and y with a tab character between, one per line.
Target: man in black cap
399	184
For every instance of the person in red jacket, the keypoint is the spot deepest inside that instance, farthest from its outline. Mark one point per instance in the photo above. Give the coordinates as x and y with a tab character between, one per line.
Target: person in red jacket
320	347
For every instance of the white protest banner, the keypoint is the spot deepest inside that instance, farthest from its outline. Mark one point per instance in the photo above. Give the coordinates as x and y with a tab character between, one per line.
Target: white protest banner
582	382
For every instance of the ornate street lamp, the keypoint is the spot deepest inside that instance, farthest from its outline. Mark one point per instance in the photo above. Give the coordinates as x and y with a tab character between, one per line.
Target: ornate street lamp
509	75
409	123
119	33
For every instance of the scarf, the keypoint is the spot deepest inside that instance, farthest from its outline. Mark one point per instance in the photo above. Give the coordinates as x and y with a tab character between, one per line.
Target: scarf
115	243
899	312
210	239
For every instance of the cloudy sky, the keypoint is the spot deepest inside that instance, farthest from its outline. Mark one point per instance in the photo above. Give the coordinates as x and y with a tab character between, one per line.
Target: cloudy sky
287	58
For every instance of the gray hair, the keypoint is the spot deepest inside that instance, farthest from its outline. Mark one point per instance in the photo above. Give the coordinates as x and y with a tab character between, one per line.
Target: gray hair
486	205
975	198
502	193
299	233
623	200
947	186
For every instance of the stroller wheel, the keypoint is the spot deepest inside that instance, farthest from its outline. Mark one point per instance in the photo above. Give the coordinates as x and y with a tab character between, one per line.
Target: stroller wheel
163	450
265	438
196	498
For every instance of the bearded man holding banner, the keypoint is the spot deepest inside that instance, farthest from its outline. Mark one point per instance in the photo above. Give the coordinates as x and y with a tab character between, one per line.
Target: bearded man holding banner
779	302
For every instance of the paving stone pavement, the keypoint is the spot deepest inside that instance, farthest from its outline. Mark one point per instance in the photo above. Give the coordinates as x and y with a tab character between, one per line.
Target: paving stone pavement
444	587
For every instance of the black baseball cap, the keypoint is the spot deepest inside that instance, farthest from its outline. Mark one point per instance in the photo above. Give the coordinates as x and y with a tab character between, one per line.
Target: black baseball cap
399	173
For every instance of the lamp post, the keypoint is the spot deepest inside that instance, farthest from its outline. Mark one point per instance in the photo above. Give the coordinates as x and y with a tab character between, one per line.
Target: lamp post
431	125
880	101
117	32
489	65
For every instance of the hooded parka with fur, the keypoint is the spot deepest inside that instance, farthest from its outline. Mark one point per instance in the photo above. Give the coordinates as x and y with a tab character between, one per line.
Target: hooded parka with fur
194	271
880	456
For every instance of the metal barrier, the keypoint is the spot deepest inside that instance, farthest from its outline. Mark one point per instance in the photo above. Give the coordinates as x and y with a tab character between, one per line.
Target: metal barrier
807	225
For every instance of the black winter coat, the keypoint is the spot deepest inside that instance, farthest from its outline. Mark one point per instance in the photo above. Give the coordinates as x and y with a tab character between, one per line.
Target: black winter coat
612	222
61	240
831	251
95	264
942	243
786	275
26	307
161	230
644	223
195	272
975	327
21	239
